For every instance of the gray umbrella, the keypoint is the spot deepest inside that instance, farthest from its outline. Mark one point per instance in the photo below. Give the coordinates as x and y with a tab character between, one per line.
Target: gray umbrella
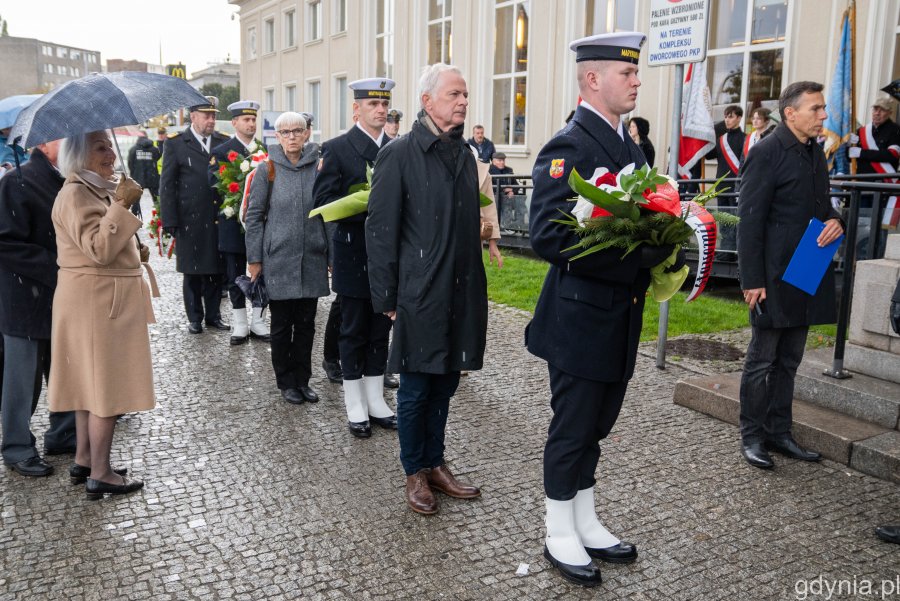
101	101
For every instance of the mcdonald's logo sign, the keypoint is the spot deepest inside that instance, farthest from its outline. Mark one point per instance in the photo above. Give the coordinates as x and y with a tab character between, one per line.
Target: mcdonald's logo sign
176	71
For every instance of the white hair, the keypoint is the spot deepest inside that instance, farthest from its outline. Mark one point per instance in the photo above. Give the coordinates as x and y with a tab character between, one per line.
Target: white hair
289	118
430	76
73	154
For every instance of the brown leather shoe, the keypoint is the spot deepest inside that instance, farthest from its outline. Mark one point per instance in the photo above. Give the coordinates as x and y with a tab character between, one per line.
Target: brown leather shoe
440	478
418	494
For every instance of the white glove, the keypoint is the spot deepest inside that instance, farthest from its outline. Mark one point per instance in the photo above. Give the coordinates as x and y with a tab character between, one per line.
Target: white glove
854	139
854	152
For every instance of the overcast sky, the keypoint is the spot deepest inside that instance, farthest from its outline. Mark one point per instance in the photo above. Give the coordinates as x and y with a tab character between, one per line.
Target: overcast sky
194	32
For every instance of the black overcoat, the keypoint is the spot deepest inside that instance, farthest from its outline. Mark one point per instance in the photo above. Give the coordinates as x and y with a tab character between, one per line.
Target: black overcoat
589	315
28	248
231	234
344	161
424	245
142	159
784	184
187	202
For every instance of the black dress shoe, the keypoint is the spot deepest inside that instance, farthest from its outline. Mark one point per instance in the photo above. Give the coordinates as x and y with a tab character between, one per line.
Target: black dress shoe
388	423
621	553
391	381
218	324
78	474
292	395
756	455
889	534
33	467
260	337
195	328
588	575
308	394
360	429
788	447
333	371
238	340
95	489
60	450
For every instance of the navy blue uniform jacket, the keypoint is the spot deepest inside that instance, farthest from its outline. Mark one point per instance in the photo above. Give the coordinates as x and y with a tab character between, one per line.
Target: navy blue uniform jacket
344	161
588	317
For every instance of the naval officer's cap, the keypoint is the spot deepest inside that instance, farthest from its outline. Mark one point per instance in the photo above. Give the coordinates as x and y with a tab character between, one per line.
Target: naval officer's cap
243	107
210	106
394	116
619	46
375	87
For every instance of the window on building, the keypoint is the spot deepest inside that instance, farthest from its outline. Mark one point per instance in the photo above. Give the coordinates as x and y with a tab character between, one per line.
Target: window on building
269	99
251	42
746	54
314	106
340	16
269	35
75	55
290	97
607	16
77	72
384	38
440	16
60	69
511	27
313	20
342	117
290	28
62	52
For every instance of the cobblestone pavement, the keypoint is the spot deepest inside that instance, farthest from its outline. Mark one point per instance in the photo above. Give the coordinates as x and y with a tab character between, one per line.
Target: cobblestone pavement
248	497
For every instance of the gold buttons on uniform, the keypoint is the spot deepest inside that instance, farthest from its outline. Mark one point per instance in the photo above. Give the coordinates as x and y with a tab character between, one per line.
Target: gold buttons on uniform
634	301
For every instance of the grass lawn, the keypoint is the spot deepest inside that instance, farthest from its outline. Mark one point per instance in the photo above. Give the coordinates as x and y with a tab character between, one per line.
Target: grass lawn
519	283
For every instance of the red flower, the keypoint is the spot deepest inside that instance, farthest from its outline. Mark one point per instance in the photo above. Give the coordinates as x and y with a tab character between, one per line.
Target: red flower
221	169
234	187
607	179
232	155
664	200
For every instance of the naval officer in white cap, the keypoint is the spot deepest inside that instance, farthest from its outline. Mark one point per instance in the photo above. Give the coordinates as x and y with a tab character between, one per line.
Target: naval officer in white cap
587	321
363	341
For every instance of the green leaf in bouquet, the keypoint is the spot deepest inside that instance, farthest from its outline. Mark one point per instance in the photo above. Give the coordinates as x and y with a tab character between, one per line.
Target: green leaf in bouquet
591	250
714	190
357	188
599	198
484	200
348	206
726	220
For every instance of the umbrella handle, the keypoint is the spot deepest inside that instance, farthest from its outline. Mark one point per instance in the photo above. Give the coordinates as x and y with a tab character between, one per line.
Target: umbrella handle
15	145
119	152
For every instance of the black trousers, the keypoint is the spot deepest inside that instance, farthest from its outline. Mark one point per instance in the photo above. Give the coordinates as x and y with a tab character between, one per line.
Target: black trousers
584	412
293	329
767	384
235	265
202	297
364	338
330	350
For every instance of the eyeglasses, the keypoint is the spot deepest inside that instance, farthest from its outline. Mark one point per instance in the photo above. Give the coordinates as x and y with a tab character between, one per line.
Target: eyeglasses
291	133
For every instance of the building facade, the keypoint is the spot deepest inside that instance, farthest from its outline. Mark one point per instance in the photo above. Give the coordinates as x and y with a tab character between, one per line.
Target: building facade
33	67
300	55
114	65
225	74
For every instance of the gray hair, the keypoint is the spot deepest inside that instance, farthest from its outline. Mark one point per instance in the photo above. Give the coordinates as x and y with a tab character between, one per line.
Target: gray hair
430	76
73	154
790	97
290	118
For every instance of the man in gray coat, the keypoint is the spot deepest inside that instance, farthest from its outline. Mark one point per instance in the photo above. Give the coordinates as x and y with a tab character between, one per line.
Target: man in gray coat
784	184
426	273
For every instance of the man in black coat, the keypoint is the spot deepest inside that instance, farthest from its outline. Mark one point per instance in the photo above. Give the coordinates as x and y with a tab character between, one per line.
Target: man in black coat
426	273
784	185
27	283
588	318
877	147
189	209
231	234
142	159
363	342
498	167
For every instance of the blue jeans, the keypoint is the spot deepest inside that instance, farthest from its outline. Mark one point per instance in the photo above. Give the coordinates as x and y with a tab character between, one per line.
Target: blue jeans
423	401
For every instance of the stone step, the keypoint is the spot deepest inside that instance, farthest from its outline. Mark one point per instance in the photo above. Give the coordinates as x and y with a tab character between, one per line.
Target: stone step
863	397
865	446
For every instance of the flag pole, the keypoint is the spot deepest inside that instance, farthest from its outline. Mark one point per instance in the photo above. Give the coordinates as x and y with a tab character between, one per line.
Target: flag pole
852	16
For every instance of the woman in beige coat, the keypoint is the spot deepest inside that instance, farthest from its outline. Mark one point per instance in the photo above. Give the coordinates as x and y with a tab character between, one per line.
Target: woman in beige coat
100	366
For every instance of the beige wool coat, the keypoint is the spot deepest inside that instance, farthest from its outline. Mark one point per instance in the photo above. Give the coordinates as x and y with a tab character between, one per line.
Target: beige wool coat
100	347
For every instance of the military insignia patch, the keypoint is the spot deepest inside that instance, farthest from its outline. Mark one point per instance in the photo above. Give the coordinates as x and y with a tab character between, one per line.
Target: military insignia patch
557	167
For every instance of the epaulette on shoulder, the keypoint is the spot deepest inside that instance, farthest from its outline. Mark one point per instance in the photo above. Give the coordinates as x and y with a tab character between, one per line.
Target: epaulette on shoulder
223	134
175	135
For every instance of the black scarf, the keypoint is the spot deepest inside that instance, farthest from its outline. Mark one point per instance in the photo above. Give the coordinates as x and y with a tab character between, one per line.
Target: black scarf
449	142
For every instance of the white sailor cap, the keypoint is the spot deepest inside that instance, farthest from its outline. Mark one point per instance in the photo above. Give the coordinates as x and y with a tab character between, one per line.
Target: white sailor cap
243	107
375	87
619	46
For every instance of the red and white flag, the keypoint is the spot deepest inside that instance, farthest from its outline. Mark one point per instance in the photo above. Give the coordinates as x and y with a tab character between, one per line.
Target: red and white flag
698	133
892	211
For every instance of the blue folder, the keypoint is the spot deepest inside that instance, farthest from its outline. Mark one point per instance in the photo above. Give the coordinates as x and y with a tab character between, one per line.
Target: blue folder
810	261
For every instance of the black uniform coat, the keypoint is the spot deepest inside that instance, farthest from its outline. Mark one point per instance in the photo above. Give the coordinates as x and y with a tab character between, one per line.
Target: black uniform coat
423	237
142	160
28	248
735	138
188	203
344	161
784	184
231	234
886	135
588	317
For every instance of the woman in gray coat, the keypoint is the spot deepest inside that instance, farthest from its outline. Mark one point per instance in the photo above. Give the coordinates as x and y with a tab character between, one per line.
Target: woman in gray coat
290	250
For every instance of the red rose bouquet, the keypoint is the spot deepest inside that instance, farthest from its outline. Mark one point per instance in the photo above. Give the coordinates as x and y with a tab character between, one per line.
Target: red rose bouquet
165	244
231	177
